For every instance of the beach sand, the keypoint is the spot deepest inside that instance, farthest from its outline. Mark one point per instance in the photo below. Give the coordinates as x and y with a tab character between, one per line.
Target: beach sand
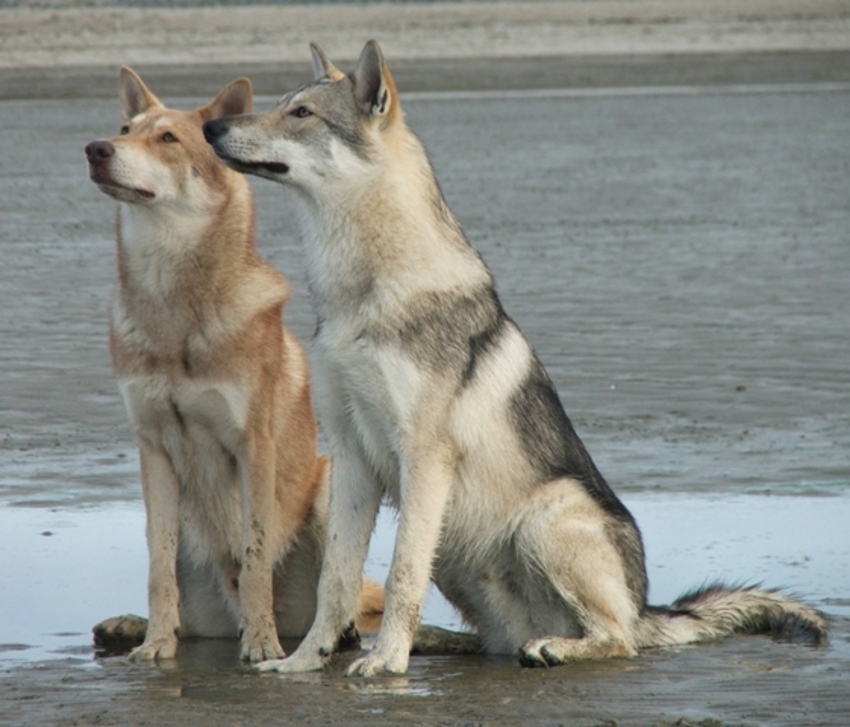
666	220
68	51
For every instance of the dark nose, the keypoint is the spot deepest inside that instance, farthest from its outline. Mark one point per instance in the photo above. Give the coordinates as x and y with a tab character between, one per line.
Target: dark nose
99	151
214	129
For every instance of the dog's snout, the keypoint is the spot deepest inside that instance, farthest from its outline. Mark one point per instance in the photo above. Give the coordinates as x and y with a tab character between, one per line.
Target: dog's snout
214	129
99	151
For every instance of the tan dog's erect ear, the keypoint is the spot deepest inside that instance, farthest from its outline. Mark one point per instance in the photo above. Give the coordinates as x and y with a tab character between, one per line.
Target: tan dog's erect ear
236	98
135	97
322	67
374	87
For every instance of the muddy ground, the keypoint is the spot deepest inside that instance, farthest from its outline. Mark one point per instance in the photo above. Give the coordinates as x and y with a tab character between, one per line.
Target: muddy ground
679	258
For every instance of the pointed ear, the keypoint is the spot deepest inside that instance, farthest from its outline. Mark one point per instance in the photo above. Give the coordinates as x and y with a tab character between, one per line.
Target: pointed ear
236	98
135	97
374	87
322	67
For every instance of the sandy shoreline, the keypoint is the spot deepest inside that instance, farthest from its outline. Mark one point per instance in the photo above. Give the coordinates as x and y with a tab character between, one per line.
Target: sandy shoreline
66	51
104	36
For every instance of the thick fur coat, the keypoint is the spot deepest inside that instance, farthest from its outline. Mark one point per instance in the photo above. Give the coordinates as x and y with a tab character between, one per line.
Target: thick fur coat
216	388
433	400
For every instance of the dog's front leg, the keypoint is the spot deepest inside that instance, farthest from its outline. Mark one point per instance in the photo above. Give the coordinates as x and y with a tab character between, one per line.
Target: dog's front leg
355	498
257	623
426	481
162	505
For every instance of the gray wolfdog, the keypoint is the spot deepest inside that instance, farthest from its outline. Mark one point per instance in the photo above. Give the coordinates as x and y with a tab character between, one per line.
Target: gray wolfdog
434	400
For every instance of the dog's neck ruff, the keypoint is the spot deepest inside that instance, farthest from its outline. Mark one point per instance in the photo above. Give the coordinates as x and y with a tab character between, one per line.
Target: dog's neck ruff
390	243
159	245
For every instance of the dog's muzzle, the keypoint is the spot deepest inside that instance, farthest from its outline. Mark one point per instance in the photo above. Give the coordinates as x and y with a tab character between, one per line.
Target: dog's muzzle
98	152
215	130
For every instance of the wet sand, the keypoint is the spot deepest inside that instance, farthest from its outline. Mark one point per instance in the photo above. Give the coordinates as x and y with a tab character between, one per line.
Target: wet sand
676	251
65	51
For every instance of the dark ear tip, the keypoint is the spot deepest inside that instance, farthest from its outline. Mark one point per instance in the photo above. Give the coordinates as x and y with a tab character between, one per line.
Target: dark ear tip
373	46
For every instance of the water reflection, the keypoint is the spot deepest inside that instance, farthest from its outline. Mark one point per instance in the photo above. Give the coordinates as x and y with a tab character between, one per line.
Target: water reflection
66	569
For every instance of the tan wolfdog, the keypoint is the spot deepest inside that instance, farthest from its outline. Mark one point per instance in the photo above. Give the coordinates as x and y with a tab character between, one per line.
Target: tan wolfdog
217	390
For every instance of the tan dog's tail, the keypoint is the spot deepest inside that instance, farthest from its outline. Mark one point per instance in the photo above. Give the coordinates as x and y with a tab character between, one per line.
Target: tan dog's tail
715	611
371	607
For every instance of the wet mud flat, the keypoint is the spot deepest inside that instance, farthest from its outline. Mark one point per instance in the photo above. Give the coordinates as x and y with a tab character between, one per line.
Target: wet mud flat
678	258
737	682
58	678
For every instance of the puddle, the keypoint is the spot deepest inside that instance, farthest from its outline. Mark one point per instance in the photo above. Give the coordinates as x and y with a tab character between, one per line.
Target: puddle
66	569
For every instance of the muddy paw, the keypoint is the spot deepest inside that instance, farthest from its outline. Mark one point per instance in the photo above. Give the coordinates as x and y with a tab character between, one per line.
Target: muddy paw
160	649
535	653
261	647
295	664
350	638
373	664
120	633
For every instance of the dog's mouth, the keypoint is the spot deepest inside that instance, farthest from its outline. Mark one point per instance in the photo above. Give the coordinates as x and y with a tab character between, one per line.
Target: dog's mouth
261	169
109	186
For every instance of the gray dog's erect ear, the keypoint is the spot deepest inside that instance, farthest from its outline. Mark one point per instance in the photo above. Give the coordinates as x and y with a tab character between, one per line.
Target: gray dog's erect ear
322	67
135	97
374	87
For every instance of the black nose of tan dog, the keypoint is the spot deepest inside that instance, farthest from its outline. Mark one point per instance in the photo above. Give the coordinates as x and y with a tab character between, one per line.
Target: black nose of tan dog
99	151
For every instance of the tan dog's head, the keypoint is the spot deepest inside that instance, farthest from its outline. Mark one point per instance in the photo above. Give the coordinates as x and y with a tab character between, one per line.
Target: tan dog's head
322	136
160	156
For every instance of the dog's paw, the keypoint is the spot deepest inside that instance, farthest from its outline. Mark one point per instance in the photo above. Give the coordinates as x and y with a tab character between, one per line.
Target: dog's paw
159	649
257	647
535	653
551	651
557	650
295	664
375	664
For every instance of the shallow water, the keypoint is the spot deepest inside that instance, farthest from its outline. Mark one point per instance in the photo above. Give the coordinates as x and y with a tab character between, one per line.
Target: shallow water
83	564
678	260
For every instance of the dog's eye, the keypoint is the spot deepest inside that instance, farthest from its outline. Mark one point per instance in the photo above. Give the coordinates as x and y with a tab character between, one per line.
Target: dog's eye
125	129
302	112
169	138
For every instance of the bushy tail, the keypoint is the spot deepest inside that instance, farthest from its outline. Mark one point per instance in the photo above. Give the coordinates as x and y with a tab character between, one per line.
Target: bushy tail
715	611
370	607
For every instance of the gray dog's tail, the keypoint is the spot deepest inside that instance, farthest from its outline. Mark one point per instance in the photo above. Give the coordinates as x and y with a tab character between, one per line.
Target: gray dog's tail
715	611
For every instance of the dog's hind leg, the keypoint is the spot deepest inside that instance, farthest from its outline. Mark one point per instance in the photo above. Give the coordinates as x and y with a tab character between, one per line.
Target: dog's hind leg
564	541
